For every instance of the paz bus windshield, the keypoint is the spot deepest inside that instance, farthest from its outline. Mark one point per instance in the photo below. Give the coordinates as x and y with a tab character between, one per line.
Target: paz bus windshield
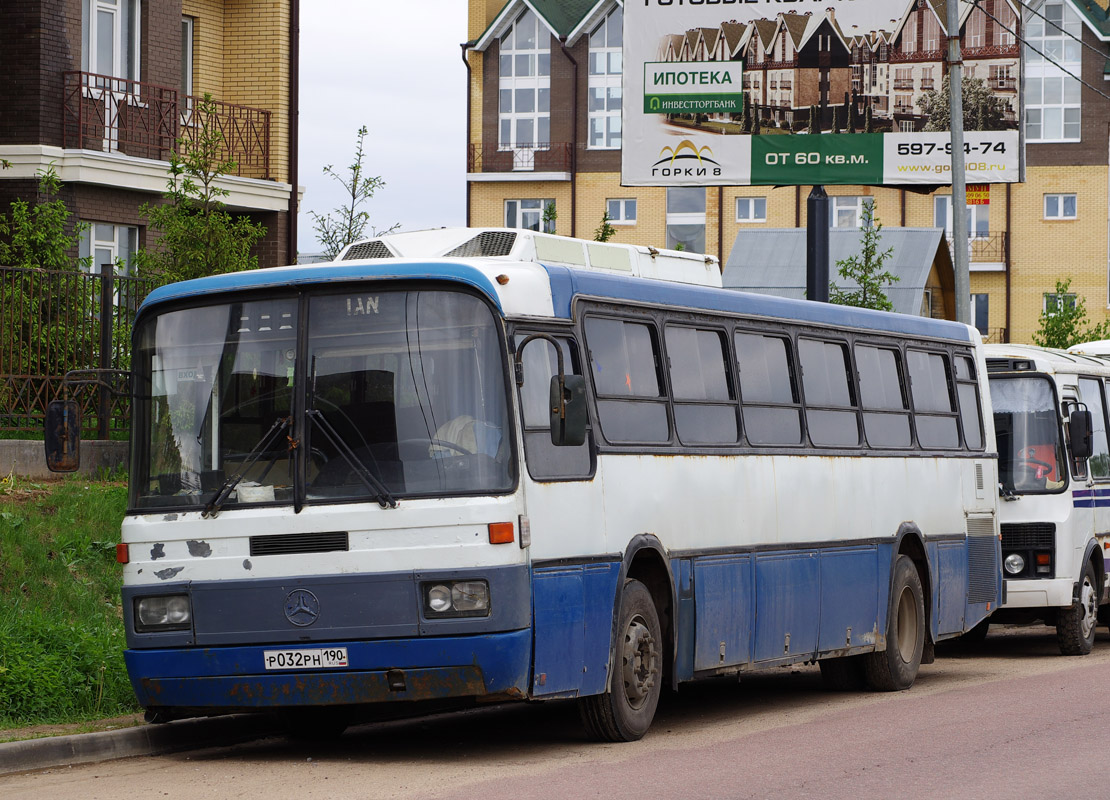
1027	431
338	395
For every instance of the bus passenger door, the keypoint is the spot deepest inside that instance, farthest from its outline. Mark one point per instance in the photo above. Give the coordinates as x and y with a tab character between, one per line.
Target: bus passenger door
573	583
1094	397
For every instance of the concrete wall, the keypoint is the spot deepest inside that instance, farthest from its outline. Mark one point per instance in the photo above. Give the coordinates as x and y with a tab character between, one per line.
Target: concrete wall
27	458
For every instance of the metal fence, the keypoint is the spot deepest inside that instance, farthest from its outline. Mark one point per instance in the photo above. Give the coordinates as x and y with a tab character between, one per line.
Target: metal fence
52	322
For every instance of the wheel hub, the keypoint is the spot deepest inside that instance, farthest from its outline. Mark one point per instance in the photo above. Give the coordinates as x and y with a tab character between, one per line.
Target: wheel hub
1089	604
641	660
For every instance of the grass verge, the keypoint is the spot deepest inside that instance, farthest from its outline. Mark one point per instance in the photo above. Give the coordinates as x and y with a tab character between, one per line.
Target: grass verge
61	626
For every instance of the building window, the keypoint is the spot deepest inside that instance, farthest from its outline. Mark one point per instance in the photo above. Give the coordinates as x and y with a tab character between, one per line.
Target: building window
109	244
847	212
1052	97
751	209
978	217
621	212
686	218
528	214
605	82
187	28
1054	303
110	38
1059	206
524	96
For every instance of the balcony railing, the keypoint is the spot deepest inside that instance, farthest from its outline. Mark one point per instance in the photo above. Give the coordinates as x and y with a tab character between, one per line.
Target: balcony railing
1003	84
986	248
547	157
917	55
903	84
117	115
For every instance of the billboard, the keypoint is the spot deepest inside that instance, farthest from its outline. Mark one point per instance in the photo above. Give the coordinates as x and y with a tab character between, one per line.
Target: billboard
829	91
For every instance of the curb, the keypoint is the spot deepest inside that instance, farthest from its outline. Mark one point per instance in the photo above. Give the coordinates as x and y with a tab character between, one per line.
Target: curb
142	740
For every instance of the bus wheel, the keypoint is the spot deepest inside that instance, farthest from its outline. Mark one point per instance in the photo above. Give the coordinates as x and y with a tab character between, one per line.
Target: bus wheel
895	668
625	711
844	674
1075	625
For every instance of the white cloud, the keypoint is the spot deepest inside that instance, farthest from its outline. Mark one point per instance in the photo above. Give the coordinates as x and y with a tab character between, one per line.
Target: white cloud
396	68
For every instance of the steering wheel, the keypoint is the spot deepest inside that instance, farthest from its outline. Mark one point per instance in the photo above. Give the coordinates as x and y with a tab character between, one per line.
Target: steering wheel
431	441
1041	468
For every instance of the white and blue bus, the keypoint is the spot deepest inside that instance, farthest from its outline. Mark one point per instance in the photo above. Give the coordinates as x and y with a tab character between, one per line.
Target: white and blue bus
484	465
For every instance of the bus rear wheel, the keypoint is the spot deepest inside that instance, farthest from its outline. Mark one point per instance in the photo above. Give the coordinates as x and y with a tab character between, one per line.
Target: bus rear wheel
624	712
1075	625
895	668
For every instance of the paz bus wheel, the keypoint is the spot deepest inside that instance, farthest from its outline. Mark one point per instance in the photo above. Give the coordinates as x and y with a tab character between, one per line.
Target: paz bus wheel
1075	625
624	712
896	667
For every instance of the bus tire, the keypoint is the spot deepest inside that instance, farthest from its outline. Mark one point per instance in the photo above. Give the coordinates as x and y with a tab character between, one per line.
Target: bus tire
624	712
1075	625
844	674
895	668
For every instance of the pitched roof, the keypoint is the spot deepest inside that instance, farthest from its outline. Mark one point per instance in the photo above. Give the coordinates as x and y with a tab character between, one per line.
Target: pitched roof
560	16
733	32
795	25
1096	15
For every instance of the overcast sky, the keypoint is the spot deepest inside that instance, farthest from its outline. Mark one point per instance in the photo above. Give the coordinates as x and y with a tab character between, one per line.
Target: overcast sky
396	68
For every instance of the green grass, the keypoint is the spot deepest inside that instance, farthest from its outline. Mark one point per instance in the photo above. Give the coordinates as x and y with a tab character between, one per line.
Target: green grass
61	626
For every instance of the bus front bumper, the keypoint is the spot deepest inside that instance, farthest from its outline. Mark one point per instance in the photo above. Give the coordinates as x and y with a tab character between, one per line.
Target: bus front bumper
1043	593
384	671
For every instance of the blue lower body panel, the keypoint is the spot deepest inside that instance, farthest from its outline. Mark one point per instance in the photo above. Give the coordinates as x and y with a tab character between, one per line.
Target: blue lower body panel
380	671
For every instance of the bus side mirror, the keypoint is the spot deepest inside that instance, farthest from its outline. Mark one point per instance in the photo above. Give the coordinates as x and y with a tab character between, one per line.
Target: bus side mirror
568	411
62	436
1079	434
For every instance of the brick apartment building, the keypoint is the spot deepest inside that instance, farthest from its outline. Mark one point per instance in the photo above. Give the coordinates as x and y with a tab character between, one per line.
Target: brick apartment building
103	90
545	128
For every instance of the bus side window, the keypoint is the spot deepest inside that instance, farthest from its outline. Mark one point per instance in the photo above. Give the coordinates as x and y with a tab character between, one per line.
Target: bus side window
768	389
624	359
967	390
704	403
886	411
545	461
1091	389
934	410
830	408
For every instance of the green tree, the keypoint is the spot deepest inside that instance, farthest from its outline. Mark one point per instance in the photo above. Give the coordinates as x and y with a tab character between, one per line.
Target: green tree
40	235
835	119
1064	321
868	124
756	123
349	222
866	269
982	110
549	218
814	126
605	231
196	235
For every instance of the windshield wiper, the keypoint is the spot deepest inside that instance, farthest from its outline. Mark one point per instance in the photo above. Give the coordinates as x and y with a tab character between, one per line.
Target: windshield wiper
377	489
228	486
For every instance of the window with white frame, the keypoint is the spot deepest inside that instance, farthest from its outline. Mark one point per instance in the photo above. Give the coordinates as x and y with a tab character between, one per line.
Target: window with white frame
622	211
1059	206
529	214
187	29
751	209
605	82
524	87
1052	96
109	244
110	38
686	218
847	212
978	217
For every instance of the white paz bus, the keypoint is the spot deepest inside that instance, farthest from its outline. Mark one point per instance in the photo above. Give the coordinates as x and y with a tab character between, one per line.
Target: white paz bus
484	465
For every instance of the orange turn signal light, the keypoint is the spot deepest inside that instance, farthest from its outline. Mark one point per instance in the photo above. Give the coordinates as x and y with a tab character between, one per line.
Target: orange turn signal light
123	553
501	533
1043	559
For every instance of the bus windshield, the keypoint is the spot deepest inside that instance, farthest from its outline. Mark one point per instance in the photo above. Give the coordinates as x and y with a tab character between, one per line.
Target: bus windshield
1027	432
403	394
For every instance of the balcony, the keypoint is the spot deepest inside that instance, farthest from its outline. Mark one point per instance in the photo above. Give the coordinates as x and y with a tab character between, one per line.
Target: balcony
986	251
116	115
916	55
927	84
1003	84
547	157
903	84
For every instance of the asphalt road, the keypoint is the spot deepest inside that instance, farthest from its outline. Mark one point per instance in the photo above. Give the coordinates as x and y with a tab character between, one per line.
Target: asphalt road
1008	719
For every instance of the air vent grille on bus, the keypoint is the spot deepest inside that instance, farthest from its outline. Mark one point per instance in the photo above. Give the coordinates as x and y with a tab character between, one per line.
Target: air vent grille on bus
371	249
488	244
1028	535
294	543
982	557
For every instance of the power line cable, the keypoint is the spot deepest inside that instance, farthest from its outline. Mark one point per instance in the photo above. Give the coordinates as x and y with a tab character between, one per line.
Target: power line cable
1036	13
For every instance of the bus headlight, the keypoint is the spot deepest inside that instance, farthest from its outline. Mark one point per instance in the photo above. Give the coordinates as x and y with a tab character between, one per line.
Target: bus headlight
1014	564
163	612
456	599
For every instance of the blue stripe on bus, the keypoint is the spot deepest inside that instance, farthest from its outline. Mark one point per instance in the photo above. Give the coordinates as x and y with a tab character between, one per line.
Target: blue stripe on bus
234	677
567	283
284	277
1092	503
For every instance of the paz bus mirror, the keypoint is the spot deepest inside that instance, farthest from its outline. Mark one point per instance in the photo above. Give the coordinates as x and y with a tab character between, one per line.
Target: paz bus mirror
1079	434
568	411
62	436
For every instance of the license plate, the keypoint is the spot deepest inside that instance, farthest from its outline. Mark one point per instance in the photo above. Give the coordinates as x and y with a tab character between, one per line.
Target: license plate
318	658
